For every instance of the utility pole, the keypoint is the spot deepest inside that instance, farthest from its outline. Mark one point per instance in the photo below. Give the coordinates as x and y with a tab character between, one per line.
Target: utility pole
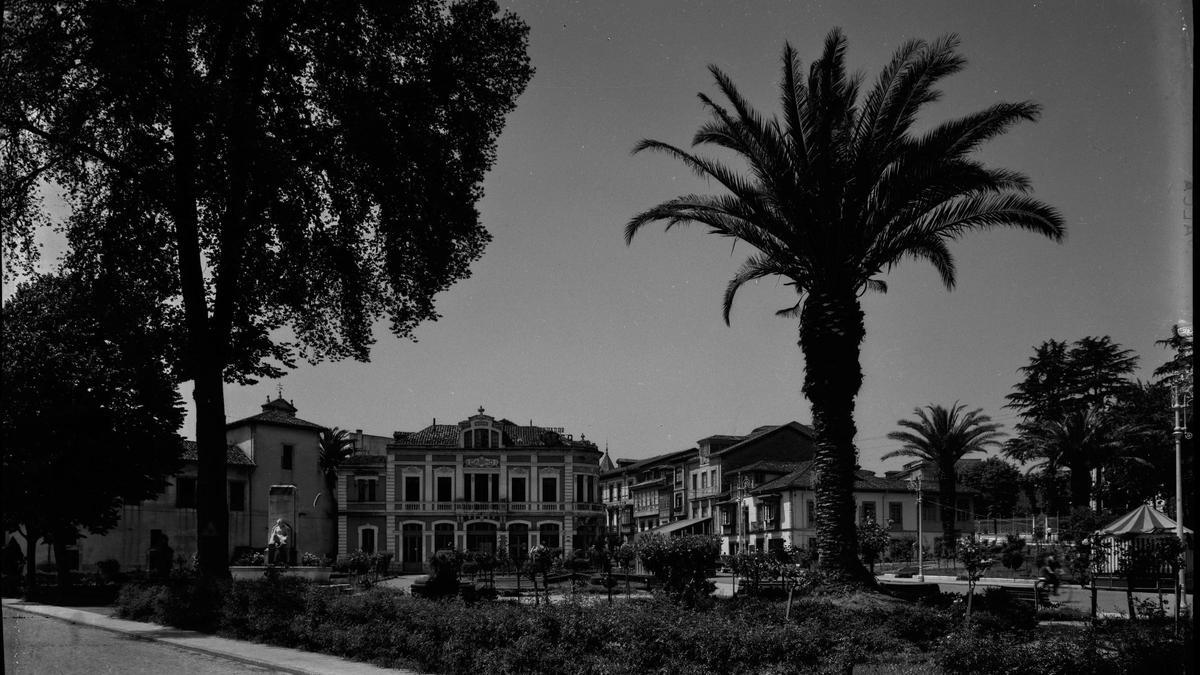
914	483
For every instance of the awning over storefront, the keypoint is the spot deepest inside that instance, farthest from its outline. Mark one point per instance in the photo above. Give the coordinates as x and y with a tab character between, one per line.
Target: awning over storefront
679	525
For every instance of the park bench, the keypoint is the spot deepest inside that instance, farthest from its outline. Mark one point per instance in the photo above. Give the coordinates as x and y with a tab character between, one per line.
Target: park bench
910	591
1035	595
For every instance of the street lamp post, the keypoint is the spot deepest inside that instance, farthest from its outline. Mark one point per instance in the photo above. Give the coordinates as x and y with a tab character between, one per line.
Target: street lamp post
1181	399
1180	402
914	483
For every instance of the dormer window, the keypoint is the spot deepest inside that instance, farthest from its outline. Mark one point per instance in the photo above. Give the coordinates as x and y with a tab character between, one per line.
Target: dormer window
481	438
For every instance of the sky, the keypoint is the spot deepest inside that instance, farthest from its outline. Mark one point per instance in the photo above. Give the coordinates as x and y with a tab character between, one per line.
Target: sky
564	325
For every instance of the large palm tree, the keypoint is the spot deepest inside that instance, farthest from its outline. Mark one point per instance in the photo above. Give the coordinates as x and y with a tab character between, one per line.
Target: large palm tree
839	191
939	437
336	446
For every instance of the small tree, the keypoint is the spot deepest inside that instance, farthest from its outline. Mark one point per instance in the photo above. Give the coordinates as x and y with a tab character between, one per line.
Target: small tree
1172	551
873	539
624	555
1132	562
602	559
541	561
795	575
902	548
753	566
973	554
681	565
1086	560
444	567
1012	552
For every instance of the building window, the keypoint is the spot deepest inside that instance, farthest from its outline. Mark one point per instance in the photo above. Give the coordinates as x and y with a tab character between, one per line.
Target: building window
810	512
550	490
445	488
704	481
678	501
516	492
695	482
866	512
366	539
366	489
412	488
931	512
443	536
285	458
896	514
237	495
185	492
548	535
679	477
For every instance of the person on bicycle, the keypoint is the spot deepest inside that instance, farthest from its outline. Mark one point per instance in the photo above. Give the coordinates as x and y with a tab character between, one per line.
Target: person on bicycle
1049	574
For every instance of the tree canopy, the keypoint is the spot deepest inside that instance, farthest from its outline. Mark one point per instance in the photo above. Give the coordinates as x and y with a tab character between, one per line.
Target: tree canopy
88	414
997	484
308	165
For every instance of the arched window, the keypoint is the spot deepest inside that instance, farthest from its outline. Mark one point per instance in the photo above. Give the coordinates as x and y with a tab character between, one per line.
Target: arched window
548	535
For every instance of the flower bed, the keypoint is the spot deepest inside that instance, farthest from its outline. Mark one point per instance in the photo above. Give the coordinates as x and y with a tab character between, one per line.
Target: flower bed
318	575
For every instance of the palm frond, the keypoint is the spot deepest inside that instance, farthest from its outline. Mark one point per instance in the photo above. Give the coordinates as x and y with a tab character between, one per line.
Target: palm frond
755	267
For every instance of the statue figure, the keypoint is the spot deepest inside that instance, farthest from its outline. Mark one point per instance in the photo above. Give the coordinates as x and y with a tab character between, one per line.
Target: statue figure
279	543
159	556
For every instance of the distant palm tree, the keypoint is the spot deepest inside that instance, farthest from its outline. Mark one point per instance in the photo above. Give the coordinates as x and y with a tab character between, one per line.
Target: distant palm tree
1081	440
838	192
939	437
336	446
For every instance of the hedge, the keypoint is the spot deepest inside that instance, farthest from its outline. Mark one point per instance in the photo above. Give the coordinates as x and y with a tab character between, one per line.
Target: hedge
388	628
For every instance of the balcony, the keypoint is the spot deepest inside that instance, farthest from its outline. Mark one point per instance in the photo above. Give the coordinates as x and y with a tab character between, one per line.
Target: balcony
490	507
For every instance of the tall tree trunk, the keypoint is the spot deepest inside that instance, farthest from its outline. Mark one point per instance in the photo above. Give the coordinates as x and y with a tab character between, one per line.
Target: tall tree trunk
1081	485
205	365
947	496
212	514
60	559
31	540
831	330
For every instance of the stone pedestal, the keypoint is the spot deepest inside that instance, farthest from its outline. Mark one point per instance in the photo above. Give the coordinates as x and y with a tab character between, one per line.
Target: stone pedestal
281	503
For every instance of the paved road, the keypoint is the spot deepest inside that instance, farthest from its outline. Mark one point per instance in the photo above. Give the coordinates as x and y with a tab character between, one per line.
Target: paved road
37	644
1107	601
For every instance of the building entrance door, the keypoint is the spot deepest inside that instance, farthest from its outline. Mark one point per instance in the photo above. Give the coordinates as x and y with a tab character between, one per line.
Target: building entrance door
481	537
413	558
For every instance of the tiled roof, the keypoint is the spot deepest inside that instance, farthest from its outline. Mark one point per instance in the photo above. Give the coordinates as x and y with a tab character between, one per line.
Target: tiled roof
802	478
763	431
515	436
769	466
642	463
233	454
279	418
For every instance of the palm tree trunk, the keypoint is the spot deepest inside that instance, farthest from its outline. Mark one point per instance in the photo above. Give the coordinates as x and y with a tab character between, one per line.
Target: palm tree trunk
947	496
831	330
1081	485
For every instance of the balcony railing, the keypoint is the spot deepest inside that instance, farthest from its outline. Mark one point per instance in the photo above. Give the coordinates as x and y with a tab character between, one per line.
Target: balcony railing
487	507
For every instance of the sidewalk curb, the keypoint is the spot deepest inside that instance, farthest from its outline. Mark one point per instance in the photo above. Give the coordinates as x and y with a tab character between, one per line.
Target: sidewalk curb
185	639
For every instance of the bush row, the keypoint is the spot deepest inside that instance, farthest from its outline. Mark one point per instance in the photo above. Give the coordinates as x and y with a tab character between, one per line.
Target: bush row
387	628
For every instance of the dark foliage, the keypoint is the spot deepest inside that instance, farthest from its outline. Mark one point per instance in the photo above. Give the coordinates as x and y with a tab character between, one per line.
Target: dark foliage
258	170
88	411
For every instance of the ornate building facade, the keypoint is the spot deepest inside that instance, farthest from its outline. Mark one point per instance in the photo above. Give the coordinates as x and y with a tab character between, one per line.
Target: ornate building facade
480	484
